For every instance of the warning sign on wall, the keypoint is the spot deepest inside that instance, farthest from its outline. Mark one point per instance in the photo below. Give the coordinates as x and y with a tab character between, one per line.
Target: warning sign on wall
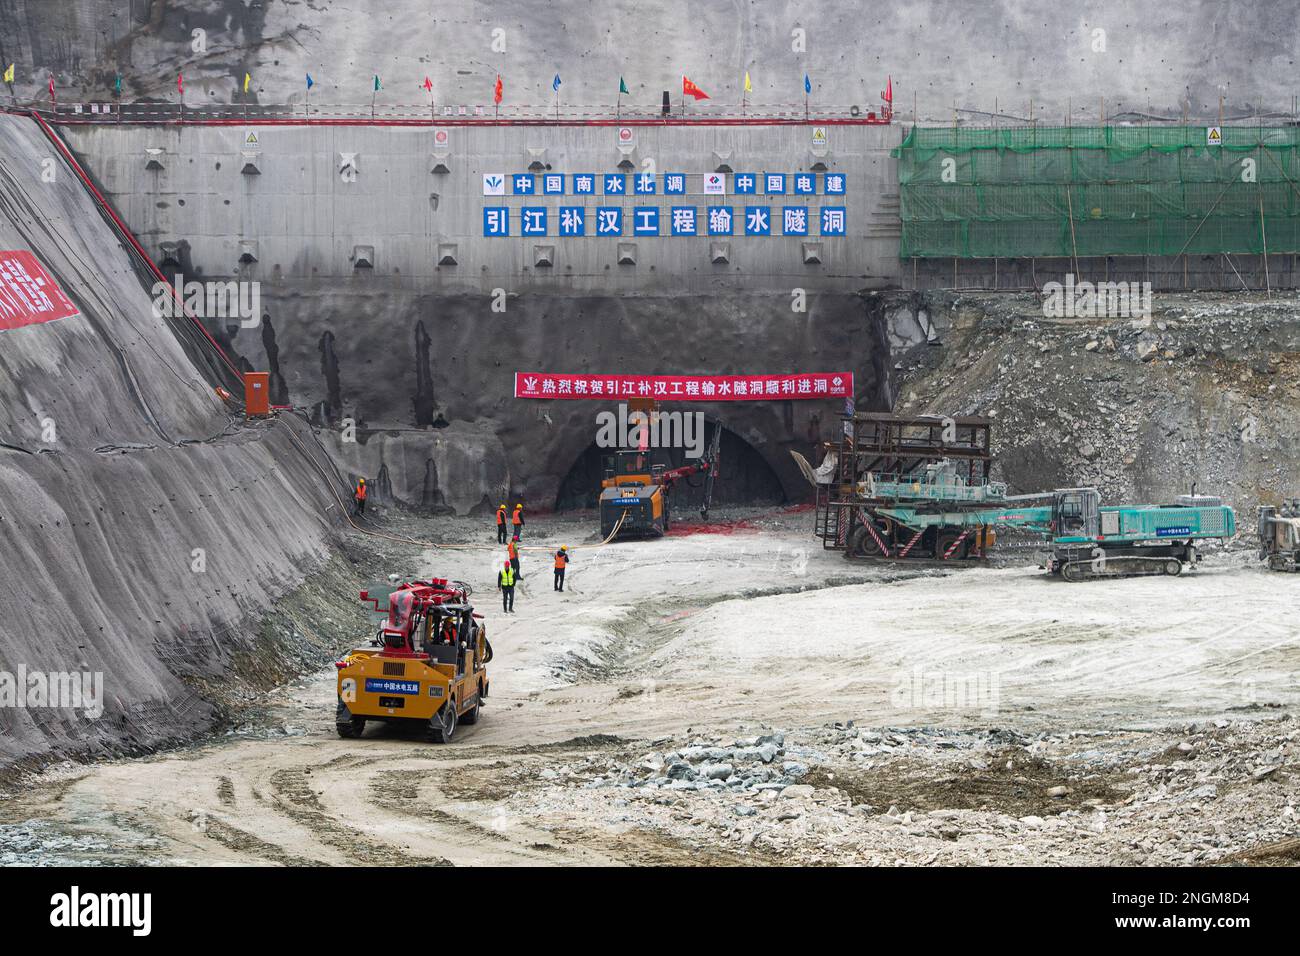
1214	136
252	142
28	294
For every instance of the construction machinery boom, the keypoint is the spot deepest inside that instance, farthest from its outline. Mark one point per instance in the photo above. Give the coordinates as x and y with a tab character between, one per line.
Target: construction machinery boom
908	488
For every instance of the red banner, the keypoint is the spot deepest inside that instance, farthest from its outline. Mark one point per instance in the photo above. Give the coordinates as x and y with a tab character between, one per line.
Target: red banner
28	294
685	388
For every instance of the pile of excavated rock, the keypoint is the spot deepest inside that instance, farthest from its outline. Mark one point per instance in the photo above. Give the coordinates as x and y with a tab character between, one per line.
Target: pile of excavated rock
1194	794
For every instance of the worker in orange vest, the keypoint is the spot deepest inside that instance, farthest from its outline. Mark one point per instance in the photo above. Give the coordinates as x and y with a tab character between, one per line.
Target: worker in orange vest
360	496
513	550
448	631
501	525
517	519
561	562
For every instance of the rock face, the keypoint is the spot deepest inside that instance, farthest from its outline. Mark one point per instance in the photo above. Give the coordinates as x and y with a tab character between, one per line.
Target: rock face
461	51
1202	393
444	424
142	530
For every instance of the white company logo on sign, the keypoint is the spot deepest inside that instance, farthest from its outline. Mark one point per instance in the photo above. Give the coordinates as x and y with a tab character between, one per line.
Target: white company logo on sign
715	184
494	184
626	137
440	137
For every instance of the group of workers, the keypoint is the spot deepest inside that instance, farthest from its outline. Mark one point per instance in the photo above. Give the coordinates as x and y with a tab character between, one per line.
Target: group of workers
516	521
509	574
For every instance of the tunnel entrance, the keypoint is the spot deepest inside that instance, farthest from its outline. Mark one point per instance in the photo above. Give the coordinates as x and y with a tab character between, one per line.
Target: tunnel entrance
744	478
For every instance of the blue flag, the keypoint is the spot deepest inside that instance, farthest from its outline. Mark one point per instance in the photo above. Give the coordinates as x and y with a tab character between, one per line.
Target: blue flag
807	84
555	83
310	84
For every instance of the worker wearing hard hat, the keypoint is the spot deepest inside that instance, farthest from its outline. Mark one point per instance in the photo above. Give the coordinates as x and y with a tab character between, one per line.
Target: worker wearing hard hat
501	524
517	519
359	496
506	584
561	563
512	549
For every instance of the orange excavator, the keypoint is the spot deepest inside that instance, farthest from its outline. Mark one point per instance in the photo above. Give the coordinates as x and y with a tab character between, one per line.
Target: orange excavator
635	490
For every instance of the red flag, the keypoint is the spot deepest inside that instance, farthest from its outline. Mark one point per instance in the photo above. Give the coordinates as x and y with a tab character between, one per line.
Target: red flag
690	89
496	93
51	86
428	85
888	95
180	84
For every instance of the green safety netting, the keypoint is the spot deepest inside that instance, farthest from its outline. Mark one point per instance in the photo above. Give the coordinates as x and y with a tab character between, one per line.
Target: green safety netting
1098	190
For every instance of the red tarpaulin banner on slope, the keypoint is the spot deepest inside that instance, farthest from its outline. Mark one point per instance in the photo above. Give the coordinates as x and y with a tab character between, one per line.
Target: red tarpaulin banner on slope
28	294
686	388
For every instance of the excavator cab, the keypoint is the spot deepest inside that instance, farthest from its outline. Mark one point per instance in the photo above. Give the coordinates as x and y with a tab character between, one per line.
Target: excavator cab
1076	513
630	467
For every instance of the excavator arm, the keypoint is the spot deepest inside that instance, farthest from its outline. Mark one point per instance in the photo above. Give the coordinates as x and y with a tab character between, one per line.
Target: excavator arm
707	466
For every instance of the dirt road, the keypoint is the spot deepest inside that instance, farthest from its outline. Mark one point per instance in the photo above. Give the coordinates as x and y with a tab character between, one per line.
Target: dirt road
656	647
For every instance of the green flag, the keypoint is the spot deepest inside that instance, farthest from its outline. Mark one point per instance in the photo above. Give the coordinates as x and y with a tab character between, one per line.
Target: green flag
622	87
377	86
117	84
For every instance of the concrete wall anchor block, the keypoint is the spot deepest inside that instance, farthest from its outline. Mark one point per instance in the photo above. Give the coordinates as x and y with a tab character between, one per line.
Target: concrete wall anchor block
627	253
720	253
447	252
349	166
812	253
722	161
543	256
170	257
363	257
250	167
247	251
153	158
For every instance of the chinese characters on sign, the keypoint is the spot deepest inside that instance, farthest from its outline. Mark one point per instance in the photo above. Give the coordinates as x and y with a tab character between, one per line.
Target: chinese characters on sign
787	214
689	388
28	294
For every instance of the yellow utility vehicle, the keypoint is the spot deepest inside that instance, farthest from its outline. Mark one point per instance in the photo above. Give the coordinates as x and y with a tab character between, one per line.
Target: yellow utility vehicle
426	666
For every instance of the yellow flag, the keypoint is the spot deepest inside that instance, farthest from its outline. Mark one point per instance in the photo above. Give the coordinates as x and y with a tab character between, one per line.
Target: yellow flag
9	74
748	88
246	79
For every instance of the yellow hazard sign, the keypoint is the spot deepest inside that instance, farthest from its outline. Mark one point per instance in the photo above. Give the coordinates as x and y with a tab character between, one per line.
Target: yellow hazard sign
1214	136
251	141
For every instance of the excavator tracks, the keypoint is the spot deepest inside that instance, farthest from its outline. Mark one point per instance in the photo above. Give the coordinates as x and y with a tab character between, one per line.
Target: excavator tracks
1120	567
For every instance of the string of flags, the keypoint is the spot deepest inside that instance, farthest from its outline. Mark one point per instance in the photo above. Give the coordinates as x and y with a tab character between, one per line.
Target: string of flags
689	87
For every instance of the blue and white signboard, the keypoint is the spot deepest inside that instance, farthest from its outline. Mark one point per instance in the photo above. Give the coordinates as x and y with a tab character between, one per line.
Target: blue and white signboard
571	217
